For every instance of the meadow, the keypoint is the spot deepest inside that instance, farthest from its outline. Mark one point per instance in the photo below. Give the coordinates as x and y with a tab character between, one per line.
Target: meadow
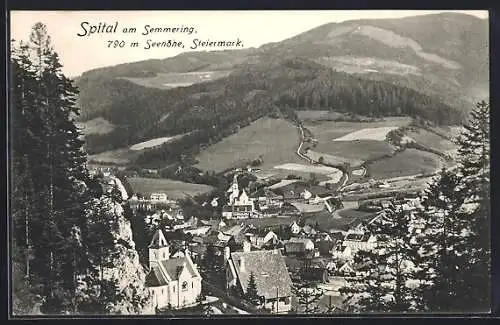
405	163
432	140
178	79
274	140
97	125
173	189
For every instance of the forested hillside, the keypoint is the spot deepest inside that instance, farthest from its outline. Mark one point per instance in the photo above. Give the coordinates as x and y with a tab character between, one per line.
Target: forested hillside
217	107
65	231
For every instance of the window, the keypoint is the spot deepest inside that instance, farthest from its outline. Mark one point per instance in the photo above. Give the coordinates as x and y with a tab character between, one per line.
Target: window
184	286
174	288
192	285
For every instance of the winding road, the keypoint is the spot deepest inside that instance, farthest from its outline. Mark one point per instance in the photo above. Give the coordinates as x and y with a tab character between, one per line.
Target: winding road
309	160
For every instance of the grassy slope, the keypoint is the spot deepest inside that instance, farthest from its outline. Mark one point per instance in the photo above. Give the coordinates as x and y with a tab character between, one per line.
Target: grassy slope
173	189
406	163
276	140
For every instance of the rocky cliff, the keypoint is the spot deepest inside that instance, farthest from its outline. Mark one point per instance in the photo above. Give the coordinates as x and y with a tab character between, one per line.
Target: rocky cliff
128	271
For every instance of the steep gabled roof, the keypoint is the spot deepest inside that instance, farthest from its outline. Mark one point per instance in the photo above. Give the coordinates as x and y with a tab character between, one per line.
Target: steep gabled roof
269	269
155	278
175	266
158	240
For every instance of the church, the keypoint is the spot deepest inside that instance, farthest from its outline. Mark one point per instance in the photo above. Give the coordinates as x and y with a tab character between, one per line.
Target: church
172	282
240	206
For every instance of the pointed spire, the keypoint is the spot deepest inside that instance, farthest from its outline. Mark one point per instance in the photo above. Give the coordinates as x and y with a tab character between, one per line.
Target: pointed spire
158	240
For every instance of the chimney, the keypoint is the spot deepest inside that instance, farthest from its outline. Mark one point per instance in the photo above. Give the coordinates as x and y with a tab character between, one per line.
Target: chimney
242	264
227	253
247	246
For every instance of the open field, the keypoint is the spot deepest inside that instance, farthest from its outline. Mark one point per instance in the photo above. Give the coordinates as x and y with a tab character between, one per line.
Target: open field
326	131
118	156
377	134
405	163
274	140
316	169
432	140
124	156
282	183
370	143
97	125
178	79
353	213
332	159
308	208
173	189
326	221
150	143
356	151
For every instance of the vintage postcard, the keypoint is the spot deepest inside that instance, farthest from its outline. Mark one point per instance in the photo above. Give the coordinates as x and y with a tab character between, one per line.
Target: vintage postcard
210	163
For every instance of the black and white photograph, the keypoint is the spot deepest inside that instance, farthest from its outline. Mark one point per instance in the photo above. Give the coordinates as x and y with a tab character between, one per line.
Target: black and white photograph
213	163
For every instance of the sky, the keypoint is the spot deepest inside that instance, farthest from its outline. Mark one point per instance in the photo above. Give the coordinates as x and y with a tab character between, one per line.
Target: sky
254	28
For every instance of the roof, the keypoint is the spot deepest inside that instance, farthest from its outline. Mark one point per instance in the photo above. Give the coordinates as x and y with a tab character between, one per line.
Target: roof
269	269
175	266
234	230
155	278
158	240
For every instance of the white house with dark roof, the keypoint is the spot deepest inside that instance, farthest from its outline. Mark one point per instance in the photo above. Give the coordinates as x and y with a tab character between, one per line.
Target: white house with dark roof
172	282
272	279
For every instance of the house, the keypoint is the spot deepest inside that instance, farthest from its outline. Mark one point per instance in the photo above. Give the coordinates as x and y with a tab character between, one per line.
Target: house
299	246
346	269
295	228
305	194
215	225
198	231
360	241
307	230
341	252
158	197
273	282
269	238
172	282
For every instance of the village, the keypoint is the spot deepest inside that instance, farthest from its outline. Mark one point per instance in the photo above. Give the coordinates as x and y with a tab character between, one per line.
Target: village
260	245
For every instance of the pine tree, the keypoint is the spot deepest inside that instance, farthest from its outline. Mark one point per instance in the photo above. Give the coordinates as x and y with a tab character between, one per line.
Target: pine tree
62	234
308	296
474	169
455	241
387	279
252	294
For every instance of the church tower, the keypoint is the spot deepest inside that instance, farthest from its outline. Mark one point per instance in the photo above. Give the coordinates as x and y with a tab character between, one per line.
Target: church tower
235	191
159	249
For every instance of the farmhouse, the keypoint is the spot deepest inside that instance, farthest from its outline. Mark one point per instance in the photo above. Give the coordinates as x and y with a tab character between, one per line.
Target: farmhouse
158	197
299	246
173	282
359	241
269	238
273	282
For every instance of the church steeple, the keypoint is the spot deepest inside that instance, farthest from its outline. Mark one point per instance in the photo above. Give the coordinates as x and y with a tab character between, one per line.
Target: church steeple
159	248
235	191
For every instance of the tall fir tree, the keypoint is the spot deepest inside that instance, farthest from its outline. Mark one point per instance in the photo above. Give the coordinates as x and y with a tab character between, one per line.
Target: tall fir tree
252	295
63	230
386	279
474	172
308	296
